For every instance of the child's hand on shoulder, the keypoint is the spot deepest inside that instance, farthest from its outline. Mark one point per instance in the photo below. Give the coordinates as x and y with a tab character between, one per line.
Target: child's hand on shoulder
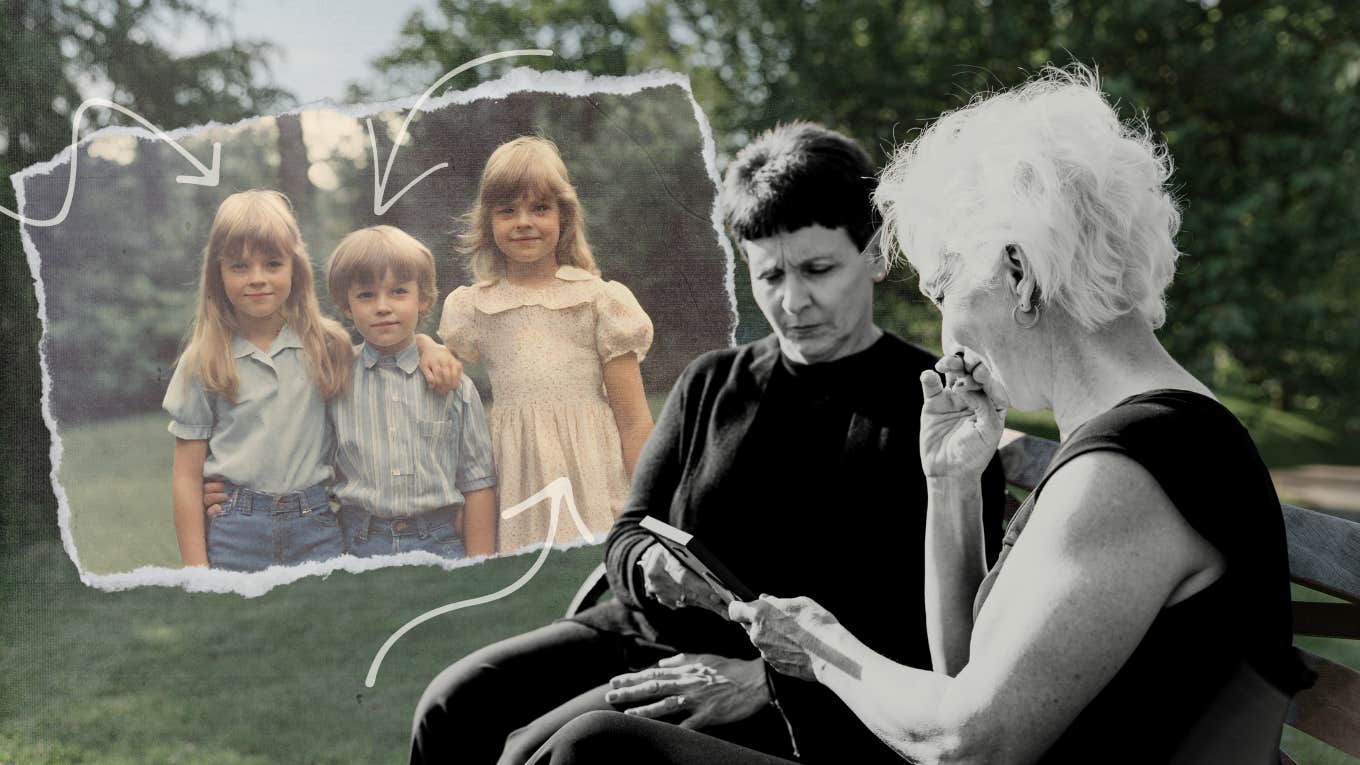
443	371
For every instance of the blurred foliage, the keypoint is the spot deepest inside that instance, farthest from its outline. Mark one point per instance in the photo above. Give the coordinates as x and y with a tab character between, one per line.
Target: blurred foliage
54	52
1257	100
636	161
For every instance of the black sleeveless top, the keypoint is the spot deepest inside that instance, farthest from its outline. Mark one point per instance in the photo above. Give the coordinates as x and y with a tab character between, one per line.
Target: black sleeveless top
1208	466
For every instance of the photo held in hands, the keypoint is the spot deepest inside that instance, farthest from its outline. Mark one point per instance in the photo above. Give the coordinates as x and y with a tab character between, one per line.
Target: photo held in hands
698	559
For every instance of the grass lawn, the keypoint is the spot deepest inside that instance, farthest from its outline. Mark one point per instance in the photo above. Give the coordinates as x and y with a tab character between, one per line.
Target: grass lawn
161	675
116	475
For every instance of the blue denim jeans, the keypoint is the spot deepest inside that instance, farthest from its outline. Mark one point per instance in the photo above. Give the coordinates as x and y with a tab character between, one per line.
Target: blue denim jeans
256	530
436	532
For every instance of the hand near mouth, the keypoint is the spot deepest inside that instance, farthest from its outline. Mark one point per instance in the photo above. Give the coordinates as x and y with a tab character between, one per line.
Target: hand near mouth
960	424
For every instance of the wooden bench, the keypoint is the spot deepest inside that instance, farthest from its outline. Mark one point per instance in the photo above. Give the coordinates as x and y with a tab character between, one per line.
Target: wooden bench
1324	555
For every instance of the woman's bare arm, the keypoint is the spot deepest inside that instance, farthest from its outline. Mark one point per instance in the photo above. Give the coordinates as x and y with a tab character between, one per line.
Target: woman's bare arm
955	563
1102	554
960	430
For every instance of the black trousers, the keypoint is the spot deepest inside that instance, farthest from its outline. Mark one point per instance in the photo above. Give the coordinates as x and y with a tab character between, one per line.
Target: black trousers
501	703
598	737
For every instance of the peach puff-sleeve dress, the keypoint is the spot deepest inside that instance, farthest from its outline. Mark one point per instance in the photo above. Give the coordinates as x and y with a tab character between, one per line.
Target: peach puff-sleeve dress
545	349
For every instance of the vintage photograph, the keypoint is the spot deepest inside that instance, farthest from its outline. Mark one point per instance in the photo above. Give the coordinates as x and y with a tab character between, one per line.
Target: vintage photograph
253	321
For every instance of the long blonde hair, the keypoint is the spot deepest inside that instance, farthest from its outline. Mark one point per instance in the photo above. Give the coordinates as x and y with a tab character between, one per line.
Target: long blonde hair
261	220
526	164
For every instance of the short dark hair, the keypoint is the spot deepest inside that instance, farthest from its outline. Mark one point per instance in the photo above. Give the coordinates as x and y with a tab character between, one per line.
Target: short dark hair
798	175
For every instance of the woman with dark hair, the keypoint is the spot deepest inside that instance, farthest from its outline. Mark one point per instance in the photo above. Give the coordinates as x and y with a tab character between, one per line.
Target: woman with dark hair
793	458
1140	608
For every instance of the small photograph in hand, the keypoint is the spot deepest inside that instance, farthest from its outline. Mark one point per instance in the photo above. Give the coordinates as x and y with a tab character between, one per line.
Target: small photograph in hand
699	559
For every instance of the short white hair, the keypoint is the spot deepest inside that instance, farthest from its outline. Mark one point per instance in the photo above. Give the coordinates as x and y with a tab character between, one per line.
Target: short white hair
1047	166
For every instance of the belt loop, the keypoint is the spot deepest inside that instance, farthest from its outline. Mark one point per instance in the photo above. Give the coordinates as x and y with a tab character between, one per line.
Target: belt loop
422	524
236	501
365	526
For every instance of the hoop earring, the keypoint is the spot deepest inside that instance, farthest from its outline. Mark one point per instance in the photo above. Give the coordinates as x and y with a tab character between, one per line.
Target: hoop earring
1031	324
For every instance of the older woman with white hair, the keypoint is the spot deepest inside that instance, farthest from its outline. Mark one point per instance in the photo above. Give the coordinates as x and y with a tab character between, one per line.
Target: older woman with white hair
1139	611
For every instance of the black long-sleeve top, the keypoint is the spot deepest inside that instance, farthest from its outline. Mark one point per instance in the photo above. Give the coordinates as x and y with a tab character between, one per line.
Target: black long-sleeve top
803	480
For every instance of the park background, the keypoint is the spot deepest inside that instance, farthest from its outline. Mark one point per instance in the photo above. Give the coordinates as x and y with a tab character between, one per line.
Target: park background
1257	102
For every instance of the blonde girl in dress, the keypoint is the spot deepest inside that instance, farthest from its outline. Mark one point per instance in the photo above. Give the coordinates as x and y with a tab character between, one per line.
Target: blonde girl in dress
247	400
561	345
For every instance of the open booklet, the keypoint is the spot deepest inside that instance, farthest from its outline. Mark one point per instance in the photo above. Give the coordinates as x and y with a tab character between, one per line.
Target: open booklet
697	558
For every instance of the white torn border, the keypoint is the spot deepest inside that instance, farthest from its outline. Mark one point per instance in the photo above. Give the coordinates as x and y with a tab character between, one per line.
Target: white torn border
197	579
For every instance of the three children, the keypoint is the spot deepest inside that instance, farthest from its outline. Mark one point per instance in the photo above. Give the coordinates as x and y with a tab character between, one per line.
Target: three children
270	395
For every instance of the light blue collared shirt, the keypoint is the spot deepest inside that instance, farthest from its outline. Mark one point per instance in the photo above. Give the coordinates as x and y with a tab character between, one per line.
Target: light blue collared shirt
402	449
275	438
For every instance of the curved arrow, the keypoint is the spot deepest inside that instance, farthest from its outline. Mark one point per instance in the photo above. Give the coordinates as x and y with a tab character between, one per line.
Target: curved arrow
206	177
380	184
557	491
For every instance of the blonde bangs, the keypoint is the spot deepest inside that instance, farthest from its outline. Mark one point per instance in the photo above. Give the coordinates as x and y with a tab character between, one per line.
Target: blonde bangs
525	169
261	220
255	221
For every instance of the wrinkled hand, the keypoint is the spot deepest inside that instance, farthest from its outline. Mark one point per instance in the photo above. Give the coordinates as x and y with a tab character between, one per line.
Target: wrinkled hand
442	370
792	633
696	690
961	423
672	585
214	494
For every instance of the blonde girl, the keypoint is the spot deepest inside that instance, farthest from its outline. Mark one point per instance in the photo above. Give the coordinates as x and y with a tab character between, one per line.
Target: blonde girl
561	345
247	400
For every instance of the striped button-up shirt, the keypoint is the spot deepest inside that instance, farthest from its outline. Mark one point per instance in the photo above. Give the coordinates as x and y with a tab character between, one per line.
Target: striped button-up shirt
402	449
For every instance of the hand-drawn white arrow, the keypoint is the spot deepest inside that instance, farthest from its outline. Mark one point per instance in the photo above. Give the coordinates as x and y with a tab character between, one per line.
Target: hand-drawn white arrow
207	176
557	491
380	184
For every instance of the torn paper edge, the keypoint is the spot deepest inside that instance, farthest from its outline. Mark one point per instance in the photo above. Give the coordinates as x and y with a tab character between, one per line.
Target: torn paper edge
255	584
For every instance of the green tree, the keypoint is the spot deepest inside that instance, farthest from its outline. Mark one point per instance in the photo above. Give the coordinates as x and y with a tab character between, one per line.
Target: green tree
588	34
1257	101
51	47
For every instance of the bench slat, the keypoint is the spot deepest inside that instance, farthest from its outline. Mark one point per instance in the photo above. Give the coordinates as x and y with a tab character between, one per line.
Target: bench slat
1324	552
1336	620
1330	710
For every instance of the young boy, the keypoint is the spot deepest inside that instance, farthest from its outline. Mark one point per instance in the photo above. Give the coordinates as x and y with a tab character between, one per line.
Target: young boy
413	468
